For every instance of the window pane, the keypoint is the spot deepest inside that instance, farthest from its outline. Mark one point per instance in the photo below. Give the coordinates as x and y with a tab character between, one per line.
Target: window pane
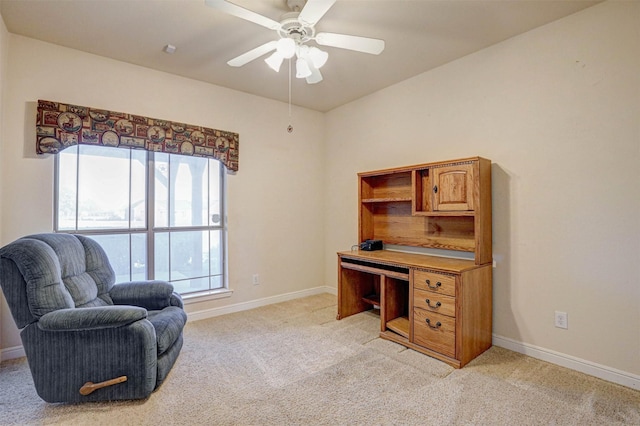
186	258
161	256
161	192
215	252
215	214
181	191
187	255
138	257
121	254
183	258
103	190
188	191
67	185
138	208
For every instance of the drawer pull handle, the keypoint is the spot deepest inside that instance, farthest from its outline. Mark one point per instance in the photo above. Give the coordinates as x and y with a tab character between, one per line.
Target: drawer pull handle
438	284
436	306
438	324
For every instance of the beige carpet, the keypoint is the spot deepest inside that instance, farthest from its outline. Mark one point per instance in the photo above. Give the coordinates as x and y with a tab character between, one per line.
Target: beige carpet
293	364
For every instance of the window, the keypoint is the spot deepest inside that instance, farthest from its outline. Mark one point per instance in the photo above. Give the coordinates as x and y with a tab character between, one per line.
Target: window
157	215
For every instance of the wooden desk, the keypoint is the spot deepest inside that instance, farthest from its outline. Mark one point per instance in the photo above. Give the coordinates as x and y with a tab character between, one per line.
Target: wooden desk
435	305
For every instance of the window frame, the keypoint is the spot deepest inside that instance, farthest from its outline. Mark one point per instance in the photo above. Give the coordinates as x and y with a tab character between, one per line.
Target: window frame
149	230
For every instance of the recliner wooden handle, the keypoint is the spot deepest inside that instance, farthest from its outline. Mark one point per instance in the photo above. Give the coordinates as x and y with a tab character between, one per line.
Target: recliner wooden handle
89	387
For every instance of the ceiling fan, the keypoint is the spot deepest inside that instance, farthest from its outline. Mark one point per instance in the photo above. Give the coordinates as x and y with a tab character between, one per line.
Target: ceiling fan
295	30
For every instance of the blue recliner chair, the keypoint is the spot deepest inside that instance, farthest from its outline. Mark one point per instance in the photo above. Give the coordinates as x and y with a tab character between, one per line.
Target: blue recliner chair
86	338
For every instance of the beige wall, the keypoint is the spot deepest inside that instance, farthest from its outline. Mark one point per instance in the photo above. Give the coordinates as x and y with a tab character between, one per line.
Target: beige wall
273	204
557	110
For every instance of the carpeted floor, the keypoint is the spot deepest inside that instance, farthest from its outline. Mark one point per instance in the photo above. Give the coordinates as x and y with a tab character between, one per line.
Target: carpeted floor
292	363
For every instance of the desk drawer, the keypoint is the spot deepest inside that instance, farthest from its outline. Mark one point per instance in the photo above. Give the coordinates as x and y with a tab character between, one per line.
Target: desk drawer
434	302
438	335
431	281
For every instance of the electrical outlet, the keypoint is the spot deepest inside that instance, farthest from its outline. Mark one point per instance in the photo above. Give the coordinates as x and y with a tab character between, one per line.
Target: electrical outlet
562	320
256	279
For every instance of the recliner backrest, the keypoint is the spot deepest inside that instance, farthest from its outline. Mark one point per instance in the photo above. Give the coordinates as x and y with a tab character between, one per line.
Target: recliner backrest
57	271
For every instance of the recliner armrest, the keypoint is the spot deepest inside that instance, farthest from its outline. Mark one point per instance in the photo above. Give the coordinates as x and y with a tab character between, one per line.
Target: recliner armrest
151	295
91	318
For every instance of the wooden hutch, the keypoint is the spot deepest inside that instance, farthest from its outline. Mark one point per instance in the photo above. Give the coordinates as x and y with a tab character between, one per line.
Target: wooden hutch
440	306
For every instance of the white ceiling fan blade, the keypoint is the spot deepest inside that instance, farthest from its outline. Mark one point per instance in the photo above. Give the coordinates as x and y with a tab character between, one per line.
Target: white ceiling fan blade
314	10
243	13
343	41
253	54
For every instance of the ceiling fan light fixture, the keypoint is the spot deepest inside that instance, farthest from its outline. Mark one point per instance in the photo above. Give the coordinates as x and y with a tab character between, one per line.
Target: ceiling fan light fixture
302	51
318	57
302	68
315	77
286	47
275	61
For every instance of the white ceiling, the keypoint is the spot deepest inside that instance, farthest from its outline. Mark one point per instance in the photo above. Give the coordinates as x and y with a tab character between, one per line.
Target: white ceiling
419	35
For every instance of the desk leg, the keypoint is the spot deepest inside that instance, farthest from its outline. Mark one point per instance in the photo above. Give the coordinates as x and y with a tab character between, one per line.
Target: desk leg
384	303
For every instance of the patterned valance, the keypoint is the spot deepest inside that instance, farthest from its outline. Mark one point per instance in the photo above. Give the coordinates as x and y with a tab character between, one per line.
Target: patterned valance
59	126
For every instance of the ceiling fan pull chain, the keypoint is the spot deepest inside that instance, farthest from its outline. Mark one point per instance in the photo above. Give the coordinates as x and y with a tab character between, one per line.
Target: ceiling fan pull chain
290	127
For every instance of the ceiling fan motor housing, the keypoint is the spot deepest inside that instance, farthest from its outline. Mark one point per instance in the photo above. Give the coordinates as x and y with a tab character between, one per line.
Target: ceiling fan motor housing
291	27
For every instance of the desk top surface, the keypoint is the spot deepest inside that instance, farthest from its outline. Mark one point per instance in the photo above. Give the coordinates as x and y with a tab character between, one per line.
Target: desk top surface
411	259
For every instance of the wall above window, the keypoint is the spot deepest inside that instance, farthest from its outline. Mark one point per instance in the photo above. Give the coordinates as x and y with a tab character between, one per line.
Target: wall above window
59	126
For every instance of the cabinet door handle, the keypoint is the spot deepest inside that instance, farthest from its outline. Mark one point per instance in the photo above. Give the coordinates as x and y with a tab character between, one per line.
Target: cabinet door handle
435	189
438	284
438	324
436	306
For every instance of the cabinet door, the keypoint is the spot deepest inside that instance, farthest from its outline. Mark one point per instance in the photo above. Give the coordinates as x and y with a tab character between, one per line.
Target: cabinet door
453	188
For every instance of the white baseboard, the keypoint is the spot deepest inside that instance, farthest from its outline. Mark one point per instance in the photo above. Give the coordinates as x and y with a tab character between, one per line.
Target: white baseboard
597	370
252	304
12	353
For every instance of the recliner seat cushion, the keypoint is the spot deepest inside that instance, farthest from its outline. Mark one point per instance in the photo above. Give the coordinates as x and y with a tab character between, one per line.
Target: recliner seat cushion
168	324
